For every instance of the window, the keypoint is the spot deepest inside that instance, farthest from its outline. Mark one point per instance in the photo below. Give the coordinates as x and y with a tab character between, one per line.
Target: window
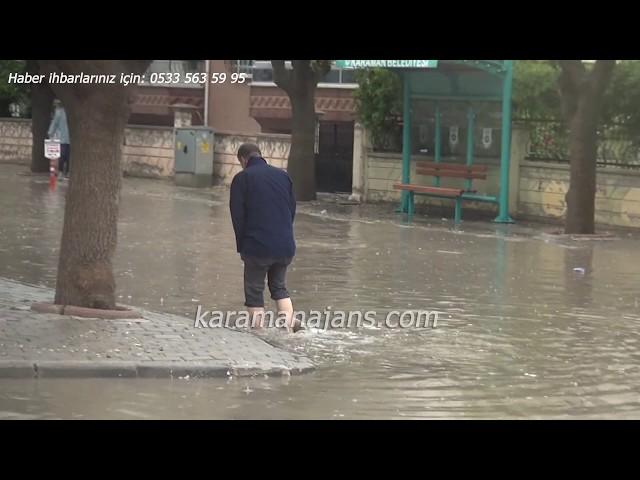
262	72
348	76
243	66
332	77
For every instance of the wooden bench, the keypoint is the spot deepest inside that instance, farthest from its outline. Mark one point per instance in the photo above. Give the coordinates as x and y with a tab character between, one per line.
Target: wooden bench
443	170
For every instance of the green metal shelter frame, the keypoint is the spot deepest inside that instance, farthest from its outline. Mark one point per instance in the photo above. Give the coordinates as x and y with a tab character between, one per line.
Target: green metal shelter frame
461	81
464	81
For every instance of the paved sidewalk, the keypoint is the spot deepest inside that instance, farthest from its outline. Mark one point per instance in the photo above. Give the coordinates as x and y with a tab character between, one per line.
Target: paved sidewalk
157	345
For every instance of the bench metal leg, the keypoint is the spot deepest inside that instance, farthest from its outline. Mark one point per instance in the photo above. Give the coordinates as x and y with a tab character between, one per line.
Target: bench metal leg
458	214
404	200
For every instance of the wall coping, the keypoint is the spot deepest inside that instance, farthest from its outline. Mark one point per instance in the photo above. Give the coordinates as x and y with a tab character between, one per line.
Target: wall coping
626	172
150	127
398	156
282	136
15	119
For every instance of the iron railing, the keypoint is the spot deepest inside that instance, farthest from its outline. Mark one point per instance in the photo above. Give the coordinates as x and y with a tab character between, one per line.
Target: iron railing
549	142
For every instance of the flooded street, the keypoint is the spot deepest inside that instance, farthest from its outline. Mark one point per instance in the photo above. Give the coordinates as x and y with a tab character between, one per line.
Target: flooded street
531	326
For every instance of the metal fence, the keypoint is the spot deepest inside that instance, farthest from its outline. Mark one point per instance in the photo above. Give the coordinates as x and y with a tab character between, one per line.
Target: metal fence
549	142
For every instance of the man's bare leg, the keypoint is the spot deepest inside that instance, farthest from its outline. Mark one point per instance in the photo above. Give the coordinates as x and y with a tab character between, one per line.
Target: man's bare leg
285	307
257	317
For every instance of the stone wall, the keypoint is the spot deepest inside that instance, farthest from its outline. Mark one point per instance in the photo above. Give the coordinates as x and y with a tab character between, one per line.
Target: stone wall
274	147
536	189
384	169
148	151
15	141
543	187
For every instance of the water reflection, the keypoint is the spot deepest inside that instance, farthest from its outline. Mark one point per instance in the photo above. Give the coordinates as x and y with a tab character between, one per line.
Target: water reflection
522	334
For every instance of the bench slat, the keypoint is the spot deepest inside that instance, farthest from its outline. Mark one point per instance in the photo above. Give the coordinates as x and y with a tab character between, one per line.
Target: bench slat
442	191
453	166
434	172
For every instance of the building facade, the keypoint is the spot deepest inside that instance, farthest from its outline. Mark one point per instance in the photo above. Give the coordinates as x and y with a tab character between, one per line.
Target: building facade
154	104
249	102
270	109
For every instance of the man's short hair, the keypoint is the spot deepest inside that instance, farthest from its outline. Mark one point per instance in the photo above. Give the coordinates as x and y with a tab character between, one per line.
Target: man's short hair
247	150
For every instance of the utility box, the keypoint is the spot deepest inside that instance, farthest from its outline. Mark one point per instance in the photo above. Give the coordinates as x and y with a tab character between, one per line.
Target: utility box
194	156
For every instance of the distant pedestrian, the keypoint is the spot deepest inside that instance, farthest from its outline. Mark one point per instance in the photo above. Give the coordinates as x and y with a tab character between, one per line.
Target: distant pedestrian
59	129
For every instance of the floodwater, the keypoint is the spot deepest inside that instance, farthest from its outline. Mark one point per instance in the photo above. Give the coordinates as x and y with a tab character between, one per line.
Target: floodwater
521	333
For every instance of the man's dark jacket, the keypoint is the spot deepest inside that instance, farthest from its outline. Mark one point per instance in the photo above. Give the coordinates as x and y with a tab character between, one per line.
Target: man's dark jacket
262	211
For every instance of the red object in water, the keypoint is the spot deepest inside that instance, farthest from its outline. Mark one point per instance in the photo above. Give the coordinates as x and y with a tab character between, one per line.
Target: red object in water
53	174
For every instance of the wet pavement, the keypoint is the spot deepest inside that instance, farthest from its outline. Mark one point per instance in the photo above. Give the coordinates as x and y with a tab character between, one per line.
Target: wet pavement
152	345
531	325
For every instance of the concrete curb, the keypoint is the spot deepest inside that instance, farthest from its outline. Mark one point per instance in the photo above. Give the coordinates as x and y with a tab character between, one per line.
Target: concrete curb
580	237
17	369
71	310
47	308
116	369
88	369
175	370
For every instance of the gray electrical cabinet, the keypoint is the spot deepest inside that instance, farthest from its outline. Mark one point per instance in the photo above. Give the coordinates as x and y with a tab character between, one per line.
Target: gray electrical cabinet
194	156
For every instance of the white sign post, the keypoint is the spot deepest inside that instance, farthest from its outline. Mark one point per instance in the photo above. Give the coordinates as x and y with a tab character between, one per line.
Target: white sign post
52	152
52	149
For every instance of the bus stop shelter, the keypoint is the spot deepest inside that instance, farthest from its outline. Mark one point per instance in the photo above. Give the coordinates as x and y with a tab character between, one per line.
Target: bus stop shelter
445	81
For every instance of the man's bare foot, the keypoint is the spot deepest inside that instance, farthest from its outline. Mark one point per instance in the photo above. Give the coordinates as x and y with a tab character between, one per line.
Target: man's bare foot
257	317
295	326
285	307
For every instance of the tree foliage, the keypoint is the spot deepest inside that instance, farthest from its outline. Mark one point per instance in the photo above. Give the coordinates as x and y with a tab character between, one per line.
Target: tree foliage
622	99
535	89
12	92
379	102
535	95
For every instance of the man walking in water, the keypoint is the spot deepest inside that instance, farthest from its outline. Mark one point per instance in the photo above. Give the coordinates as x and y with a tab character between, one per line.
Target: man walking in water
263	208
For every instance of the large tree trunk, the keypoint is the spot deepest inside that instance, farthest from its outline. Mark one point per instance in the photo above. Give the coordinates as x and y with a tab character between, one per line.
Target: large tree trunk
41	107
300	84
97	115
583	150
85	274
582	92
302	163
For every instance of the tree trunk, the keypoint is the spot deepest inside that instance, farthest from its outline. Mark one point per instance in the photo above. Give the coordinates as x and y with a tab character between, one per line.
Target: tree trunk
302	161
581	93
97	115
583	150
89	236
41	107
300	84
